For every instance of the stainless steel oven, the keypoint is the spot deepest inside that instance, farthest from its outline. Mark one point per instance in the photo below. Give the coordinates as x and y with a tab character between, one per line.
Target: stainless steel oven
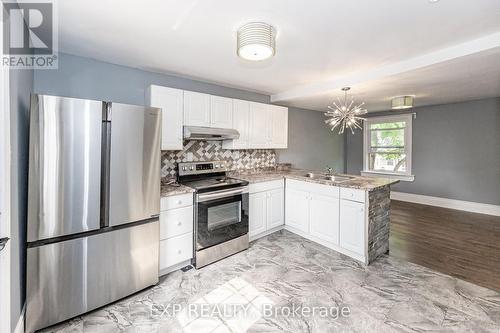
221	211
220	216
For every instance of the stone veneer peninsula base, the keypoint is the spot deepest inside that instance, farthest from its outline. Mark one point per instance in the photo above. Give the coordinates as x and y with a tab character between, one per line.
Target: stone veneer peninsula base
379	220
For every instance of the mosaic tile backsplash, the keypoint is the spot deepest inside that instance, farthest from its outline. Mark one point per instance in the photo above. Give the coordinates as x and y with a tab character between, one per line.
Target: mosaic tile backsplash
202	151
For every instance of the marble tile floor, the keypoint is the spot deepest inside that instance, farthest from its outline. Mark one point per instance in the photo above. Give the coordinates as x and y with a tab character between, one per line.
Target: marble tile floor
258	289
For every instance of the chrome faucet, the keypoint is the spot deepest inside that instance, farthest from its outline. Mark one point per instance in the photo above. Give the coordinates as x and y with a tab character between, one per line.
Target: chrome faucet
329	170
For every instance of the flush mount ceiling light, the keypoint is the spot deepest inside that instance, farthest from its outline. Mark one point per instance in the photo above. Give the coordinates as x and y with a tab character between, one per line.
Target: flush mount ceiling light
256	41
344	115
402	102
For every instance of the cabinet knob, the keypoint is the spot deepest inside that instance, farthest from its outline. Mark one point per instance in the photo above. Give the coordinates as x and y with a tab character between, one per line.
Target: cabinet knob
179	202
179	223
179	251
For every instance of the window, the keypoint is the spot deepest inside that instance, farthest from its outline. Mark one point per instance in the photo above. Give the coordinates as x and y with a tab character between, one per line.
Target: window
387	147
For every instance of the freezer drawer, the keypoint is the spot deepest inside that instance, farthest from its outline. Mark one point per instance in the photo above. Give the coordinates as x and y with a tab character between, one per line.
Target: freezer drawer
134	173
72	277
64	166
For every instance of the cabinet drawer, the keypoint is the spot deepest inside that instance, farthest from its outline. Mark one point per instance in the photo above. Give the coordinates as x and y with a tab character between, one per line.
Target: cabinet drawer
176	201
329	190
311	187
175	222
352	194
266	186
176	250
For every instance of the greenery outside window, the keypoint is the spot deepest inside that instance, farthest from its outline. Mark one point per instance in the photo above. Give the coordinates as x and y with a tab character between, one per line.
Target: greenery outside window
387	147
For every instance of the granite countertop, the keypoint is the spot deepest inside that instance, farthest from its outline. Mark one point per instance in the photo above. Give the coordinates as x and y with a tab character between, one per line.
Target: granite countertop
169	190
358	182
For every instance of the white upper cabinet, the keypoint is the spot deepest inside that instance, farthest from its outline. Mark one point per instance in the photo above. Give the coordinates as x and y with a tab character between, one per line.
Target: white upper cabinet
259	126
279	126
196	109
241	113
221	112
268	126
207	111
171	103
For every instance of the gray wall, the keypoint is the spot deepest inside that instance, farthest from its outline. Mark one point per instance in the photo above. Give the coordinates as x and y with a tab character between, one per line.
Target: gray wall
21	85
311	144
88	78
456	152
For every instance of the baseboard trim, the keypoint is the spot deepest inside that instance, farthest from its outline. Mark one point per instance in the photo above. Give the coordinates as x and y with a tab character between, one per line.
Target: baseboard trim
468	206
20	323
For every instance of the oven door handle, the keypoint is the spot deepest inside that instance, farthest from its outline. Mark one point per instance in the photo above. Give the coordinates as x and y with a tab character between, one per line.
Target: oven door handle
221	194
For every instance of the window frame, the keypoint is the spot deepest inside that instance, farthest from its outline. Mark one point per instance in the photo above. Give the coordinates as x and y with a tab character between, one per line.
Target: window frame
408	119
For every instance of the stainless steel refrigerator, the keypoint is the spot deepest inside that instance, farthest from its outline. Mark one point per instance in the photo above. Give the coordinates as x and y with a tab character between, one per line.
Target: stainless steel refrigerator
93	205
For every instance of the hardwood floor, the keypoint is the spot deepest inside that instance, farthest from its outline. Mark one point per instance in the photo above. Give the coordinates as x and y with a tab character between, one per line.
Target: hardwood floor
462	244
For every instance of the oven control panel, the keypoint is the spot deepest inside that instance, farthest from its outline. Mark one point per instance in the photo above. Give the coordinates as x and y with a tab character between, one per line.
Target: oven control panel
195	168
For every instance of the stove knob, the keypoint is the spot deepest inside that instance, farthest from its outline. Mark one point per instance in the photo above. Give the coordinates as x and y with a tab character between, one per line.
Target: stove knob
191	168
184	168
217	166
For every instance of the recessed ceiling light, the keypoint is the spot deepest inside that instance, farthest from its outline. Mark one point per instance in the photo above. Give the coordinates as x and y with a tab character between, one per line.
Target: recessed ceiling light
256	41
433	1
402	102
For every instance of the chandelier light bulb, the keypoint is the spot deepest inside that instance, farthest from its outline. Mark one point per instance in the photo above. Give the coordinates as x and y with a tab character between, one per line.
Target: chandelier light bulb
344	114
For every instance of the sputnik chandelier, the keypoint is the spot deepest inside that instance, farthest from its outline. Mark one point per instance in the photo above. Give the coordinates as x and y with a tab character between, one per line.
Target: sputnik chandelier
344	114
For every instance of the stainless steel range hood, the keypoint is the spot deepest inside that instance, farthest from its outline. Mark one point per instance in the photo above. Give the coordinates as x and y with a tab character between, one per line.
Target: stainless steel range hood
210	133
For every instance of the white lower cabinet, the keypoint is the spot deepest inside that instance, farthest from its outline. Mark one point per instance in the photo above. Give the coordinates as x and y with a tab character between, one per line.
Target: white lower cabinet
266	210
297	209
319	213
257	213
275	202
324	217
313	209
176	250
176	231
352	226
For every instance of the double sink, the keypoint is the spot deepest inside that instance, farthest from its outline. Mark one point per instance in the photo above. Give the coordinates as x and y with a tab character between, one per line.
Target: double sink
333	178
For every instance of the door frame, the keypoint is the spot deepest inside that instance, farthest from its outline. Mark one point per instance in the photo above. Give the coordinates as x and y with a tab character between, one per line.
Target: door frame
5	159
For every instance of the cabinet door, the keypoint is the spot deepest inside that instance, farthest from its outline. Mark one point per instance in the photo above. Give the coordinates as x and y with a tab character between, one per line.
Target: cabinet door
196	109
241	111
221	112
324	218
275	208
279	128
297	209
352	226
176	250
257	213
260	125
171	103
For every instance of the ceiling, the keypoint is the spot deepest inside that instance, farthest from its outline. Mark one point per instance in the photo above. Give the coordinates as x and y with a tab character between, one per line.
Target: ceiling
440	52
